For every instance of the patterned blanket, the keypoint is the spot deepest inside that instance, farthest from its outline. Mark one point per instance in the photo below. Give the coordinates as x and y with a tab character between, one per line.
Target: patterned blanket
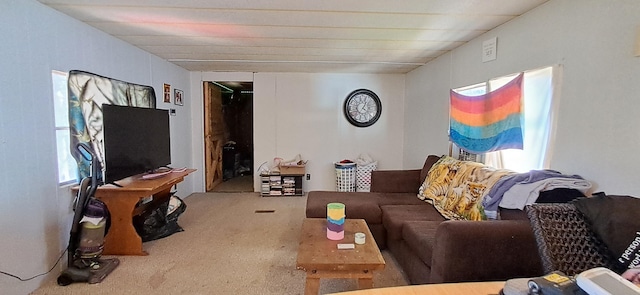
456	188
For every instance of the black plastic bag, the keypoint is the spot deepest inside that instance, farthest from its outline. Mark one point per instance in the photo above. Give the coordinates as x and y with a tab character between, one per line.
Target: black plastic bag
156	224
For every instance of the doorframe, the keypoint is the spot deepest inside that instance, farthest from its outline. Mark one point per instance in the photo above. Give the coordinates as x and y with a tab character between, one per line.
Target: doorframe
197	113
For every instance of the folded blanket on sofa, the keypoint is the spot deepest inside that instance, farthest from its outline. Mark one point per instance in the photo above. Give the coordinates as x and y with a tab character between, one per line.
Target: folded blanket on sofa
524	194
518	190
456	188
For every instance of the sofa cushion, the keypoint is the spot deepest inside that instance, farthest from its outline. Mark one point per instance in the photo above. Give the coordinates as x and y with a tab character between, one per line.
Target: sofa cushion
394	216
431	159
420	237
357	205
512	214
614	219
396	181
400	199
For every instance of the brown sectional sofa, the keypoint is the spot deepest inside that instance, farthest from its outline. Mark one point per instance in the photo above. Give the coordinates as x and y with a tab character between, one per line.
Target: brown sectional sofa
429	248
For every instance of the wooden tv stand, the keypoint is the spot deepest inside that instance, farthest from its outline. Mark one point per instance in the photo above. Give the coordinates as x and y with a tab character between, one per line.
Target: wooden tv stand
122	238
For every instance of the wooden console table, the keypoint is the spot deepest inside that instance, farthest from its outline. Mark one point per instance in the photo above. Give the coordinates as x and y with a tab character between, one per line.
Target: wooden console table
122	238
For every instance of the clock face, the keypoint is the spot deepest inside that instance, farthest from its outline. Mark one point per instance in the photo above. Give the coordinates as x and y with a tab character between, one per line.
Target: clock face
362	108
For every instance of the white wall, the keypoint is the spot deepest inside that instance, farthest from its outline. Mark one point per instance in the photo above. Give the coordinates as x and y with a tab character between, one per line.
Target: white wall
426	112
180	124
597	134
301	113
35	213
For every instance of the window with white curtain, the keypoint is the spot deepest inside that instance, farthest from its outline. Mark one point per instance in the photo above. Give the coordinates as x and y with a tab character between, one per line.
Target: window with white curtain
538	119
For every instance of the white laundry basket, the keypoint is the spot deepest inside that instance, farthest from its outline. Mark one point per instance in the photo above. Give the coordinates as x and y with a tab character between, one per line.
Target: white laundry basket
345	177
363	176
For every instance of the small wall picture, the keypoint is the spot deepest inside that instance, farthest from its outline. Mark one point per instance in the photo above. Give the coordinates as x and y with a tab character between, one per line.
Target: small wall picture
177	97
167	93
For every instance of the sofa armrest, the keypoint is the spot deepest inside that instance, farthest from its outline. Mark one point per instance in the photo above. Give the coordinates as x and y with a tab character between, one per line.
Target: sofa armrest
395	181
484	251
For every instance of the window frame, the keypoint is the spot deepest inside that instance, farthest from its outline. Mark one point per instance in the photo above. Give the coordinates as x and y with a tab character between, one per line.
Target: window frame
67	169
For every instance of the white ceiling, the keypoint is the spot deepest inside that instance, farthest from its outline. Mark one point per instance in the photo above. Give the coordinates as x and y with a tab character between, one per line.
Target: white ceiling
365	36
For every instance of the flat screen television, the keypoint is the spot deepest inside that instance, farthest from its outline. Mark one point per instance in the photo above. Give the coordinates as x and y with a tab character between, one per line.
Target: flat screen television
136	140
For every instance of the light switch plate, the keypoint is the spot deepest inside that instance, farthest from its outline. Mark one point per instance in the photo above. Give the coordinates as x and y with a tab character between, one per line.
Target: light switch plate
489	49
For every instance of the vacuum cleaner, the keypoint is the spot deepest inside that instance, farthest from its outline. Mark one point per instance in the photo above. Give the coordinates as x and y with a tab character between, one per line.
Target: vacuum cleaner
91	222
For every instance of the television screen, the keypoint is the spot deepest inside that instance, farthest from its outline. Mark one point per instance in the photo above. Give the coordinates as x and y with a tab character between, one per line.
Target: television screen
136	140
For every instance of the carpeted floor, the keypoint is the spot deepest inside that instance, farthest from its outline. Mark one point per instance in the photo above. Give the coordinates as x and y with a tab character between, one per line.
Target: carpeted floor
226	248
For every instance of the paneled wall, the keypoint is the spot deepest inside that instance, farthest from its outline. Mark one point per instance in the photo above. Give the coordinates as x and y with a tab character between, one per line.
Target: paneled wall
597	134
35	213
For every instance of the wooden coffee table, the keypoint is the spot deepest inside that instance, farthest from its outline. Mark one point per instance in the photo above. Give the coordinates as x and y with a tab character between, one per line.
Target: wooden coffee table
321	259
473	288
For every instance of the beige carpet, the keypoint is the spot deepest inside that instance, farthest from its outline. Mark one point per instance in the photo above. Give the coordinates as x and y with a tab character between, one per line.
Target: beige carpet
226	248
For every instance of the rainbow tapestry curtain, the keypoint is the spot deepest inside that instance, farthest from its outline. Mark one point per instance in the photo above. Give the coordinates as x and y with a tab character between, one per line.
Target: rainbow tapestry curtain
488	122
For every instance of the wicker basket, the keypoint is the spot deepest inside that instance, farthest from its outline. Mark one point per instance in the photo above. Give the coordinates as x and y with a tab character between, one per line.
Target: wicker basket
345	177
565	241
363	176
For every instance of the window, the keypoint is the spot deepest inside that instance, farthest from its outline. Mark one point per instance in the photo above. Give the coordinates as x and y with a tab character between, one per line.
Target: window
67	167
538	90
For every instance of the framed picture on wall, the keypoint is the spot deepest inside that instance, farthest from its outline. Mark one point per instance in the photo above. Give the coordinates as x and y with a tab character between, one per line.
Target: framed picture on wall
178	97
167	93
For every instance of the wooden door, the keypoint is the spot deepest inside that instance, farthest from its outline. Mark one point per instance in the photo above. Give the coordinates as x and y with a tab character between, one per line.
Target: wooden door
214	135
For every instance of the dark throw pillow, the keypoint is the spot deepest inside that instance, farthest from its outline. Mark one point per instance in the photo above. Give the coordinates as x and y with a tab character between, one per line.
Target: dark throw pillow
559	195
614	219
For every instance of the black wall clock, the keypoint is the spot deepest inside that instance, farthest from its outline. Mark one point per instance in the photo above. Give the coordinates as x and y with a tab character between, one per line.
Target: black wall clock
362	108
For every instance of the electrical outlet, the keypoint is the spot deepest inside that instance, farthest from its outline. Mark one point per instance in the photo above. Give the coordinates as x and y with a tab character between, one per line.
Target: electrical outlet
308	176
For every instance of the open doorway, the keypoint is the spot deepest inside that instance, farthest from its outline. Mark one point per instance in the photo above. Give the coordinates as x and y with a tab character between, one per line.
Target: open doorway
228	136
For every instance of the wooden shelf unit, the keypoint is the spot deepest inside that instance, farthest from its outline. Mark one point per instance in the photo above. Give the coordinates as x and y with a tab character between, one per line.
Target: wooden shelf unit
286	182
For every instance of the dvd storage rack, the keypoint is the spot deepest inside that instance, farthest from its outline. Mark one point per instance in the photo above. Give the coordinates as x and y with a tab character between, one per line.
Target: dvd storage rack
286	182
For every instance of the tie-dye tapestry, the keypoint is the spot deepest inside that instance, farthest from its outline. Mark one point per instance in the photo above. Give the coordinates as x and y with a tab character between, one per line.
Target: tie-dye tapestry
488	122
87	93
